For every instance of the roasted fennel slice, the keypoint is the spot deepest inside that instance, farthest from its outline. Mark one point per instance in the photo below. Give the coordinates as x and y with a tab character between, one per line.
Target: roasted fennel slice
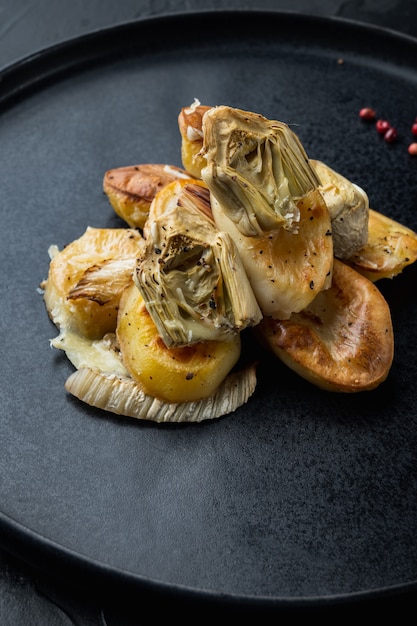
190	274
124	396
348	206
389	249
343	341
86	278
131	189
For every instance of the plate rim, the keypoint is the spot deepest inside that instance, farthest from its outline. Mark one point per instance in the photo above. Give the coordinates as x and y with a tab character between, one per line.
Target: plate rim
55	554
22	69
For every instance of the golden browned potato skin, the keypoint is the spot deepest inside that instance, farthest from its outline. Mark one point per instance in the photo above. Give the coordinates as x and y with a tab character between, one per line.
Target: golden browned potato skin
190	123
390	248
178	374
131	189
343	341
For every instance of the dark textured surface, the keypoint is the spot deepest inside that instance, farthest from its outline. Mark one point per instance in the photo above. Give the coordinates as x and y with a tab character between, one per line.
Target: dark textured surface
315	500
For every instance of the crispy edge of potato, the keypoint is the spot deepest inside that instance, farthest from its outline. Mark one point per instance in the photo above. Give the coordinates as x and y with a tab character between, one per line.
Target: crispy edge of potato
131	189
390	248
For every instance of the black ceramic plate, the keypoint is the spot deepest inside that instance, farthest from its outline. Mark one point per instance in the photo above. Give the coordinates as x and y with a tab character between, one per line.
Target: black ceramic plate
300	495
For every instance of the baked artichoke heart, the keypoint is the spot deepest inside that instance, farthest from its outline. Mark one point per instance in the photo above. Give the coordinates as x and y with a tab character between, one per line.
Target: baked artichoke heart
191	276
256	168
348	206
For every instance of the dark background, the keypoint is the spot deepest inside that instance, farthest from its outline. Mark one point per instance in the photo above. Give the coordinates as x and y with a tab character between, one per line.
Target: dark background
29	597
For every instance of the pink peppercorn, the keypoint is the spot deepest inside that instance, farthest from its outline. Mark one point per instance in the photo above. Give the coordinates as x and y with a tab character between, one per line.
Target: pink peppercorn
412	149
367	114
414	128
382	126
391	135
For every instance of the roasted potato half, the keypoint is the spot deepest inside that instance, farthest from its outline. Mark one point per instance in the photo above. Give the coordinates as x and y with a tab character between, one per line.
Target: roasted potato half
131	189
178	374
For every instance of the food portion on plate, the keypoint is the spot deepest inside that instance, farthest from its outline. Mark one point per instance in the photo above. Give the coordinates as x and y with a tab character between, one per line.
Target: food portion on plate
249	238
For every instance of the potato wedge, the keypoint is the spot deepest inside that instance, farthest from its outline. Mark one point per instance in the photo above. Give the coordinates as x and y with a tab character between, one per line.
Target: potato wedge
180	374
343	341
389	249
131	189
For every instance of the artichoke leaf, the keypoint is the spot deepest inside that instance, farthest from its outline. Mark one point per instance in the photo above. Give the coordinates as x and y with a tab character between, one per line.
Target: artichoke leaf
191	276
286	269
348	203
257	166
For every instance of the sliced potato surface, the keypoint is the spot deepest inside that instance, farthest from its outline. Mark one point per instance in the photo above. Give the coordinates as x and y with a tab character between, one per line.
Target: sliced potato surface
179	374
343	341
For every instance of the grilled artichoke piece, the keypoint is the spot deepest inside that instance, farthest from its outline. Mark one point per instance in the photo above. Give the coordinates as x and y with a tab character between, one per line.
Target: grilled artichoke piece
190	123
390	248
190	275
348	203
78	294
287	270
176	374
192	194
256	169
124	396
348	206
131	189
343	341
264	194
